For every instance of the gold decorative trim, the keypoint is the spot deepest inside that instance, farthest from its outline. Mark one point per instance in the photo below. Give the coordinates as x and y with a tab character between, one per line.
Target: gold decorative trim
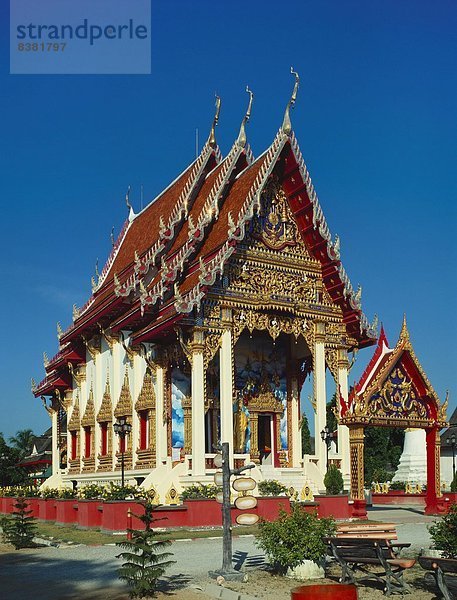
124	404
147	397
89	414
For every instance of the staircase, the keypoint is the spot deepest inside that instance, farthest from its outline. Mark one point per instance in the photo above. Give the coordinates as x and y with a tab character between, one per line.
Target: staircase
290	477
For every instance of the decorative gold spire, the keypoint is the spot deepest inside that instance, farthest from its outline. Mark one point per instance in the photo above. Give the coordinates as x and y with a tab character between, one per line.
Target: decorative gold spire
241	141
286	124
212	135
404	333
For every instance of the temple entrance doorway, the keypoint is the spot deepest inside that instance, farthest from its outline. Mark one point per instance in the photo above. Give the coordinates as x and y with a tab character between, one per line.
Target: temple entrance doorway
266	439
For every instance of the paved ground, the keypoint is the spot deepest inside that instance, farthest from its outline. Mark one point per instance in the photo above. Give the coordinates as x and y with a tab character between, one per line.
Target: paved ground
73	572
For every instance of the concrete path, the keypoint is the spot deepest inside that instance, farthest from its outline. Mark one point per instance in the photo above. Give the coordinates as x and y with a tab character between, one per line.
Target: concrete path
63	573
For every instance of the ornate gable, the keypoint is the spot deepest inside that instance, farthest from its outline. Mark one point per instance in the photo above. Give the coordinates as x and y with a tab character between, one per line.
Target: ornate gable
147	398
124	404
74	423
105	413
89	414
395	390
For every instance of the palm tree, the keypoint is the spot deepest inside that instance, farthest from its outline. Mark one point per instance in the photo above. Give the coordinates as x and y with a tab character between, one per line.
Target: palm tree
23	441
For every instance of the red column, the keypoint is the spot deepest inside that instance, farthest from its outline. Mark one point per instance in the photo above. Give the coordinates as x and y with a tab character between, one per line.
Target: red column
433	500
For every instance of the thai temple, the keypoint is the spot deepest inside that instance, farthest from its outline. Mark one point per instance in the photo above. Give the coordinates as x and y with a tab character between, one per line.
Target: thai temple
218	301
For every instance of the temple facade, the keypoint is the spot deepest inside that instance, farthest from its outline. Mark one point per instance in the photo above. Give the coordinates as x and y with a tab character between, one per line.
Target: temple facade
218	301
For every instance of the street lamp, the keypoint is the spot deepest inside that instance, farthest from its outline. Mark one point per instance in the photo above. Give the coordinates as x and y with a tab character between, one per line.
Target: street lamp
327	436
122	428
451	441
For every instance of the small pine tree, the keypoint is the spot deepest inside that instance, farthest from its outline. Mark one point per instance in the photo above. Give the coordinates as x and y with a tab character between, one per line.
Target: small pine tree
145	562
20	528
305	435
333	480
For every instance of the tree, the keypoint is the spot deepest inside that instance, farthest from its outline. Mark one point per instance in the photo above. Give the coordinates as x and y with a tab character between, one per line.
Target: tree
145	561
23	441
333	480
20	528
383	448
10	473
305	435
332	423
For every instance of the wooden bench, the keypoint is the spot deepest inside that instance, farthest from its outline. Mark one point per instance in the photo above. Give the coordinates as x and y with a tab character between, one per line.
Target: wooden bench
363	547
444	572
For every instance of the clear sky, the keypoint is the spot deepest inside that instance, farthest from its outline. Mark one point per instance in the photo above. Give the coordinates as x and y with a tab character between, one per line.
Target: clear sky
375	119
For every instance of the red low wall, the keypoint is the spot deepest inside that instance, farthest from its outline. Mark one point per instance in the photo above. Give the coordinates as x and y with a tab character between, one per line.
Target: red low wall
113	516
47	509
66	512
337	507
450	498
90	513
398	497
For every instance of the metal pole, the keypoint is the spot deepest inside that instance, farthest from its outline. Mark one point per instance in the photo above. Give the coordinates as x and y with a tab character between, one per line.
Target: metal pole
122	459
453	461
226	510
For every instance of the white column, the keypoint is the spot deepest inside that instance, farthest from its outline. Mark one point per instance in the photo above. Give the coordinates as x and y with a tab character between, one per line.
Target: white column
295	442
161	423
320	394
55	441
226	382
99	388
343	430
138	375
198	405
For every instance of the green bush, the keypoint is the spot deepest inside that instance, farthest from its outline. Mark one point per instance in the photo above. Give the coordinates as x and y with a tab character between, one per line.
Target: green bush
333	480
200	492
145	561
271	487
444	533
128	492
454	484
49	493
294	537
397	485
66	494
91	491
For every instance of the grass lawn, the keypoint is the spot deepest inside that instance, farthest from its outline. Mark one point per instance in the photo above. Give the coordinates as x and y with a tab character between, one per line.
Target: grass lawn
91	537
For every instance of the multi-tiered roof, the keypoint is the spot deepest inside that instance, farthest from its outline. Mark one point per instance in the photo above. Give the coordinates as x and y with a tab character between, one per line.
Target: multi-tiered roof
169	255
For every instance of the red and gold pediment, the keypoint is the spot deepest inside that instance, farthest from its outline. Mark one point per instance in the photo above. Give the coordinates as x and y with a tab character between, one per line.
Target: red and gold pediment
124	404
394	390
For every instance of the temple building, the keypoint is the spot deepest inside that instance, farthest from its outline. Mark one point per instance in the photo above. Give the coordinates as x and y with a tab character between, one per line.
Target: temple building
218	301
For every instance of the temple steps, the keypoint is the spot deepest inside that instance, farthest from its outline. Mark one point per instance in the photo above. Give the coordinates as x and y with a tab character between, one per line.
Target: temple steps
290	477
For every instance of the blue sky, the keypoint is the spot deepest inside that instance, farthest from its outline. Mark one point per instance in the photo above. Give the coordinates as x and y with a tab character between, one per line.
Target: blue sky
376	123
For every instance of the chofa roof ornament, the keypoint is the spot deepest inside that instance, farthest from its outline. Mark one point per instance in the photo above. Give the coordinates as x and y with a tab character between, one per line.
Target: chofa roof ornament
212	133
241	141
286	124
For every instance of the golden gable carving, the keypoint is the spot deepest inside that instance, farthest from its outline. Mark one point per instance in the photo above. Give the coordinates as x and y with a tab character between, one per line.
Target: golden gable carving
74	423
147	398
106	409
124	404
89	414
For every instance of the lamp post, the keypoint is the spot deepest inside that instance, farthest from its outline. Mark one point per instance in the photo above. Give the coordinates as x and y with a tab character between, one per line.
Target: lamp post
451	441
122	428
327	436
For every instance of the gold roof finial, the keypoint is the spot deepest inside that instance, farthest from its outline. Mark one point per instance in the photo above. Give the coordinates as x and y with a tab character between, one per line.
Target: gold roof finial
241	141
212	135
404	333
286	124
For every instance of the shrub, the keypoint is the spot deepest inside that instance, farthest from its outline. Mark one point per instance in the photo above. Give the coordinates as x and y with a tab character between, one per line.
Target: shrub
271	487
129	492
294	537
444	533
333	480
398	485
145	562
91	491
66	494
20	528
199	492
454	484
49	493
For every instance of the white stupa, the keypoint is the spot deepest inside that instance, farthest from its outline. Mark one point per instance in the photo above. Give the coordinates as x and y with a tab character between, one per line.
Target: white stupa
413	461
